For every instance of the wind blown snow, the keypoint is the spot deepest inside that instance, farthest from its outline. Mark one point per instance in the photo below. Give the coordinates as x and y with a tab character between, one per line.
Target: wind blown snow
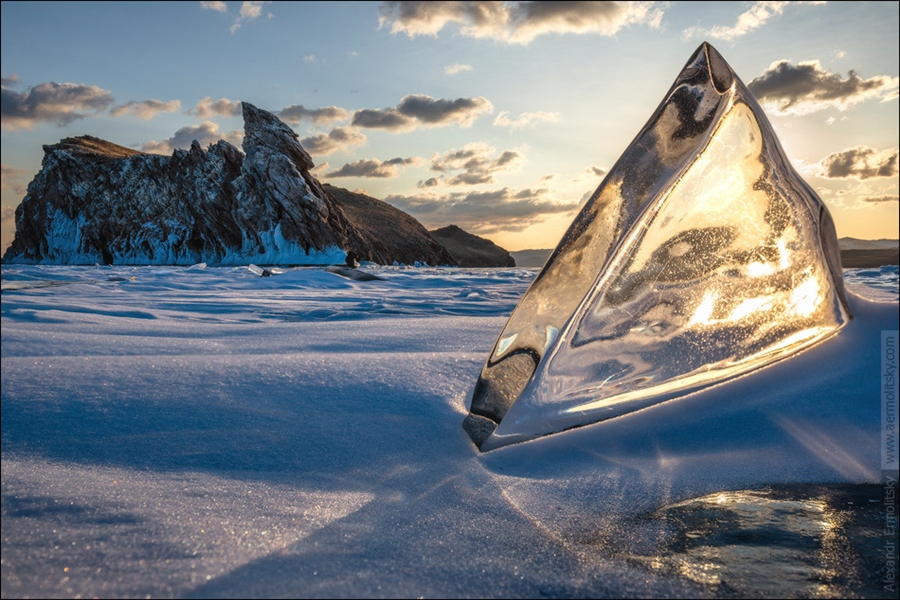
206	432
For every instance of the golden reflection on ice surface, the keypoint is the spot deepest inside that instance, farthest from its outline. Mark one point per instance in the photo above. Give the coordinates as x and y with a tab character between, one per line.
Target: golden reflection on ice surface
780	542
701	256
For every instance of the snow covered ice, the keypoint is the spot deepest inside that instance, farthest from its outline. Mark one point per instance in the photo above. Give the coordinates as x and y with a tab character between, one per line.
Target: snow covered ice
190	432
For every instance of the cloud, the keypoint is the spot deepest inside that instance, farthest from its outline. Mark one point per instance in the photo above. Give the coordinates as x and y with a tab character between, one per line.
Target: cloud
596	171
753	18
806	88
370	167
428	18
7	213
249	11
859	163
14	179
517	22
532	19
10	81
146	109
855	194
205	133
477	163
881	199
310	58
59	103
387	118
418	110
454	69
320	116
339	138
214	5
528	119
207	108
482	212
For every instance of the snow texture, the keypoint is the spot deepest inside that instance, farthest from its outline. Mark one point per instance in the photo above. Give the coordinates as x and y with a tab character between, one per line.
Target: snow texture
206	432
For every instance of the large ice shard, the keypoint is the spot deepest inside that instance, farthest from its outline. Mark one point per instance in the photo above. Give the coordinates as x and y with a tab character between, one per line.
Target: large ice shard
701	256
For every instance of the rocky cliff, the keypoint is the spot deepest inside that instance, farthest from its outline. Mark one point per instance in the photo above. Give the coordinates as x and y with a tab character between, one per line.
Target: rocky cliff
97	202
386	231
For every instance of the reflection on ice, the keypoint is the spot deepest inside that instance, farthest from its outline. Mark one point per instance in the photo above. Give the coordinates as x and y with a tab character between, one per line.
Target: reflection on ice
701	256
781	542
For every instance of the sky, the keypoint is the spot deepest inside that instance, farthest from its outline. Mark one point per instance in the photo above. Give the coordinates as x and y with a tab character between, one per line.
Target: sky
174	432
501	118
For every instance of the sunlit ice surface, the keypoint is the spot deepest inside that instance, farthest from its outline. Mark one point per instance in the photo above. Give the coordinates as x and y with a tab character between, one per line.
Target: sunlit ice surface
702	255
787	541
881	284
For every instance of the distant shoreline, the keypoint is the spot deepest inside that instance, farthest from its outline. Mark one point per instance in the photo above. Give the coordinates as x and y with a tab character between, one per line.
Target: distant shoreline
869	259
850	258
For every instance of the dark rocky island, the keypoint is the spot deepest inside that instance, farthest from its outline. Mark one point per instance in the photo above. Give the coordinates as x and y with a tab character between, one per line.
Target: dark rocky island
97	202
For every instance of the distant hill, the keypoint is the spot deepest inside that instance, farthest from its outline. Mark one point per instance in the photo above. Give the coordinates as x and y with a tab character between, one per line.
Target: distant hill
849	243
470	250
863	254
388	233
531	259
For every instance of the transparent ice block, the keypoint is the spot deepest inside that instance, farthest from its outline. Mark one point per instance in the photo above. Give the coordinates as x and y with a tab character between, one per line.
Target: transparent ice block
701	256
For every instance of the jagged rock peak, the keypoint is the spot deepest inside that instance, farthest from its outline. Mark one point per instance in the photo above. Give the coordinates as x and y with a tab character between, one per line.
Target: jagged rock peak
264	131
94	201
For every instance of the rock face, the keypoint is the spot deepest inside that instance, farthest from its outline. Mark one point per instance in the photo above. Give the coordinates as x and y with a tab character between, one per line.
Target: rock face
97	202
472	251
387	233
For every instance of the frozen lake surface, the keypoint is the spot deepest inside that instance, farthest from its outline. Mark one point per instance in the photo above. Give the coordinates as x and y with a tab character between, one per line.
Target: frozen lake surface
206	432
